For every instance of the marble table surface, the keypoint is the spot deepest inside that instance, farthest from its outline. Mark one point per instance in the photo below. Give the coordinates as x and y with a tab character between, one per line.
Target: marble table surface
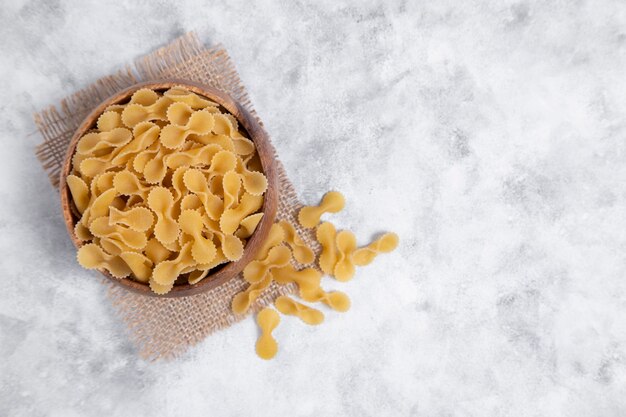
491	136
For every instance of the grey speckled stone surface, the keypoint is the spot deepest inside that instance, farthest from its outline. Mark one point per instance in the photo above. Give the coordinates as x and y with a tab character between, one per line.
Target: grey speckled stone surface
490	135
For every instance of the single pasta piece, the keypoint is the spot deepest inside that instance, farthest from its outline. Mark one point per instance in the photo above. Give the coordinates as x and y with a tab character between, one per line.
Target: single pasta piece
336	300
305	313
332	202
108	121
266	345
301	252
384	244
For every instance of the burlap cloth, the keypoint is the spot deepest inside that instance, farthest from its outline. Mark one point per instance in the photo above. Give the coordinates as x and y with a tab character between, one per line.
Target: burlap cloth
166	327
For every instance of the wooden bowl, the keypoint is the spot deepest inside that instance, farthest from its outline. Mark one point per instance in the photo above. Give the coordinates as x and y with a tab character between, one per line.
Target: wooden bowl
266	154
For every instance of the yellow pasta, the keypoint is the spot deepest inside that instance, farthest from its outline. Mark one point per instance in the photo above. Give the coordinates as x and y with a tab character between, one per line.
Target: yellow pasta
346	245
308	279
232	217
257	270
192	157
326	235
135	113
94	142
144	135
275	237
203	250
91	256
108	121
140	265
266	345
254	182
161	201
305	313
248	225
199	123
301	252
127	183
386	243
196	182
139	219
166	272
336	300
156	252
242	301
332	202
100	227
232	246
80	192
231	185
161	190
182	95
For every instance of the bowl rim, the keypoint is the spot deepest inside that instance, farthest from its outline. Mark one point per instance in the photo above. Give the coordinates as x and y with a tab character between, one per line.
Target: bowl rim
266	152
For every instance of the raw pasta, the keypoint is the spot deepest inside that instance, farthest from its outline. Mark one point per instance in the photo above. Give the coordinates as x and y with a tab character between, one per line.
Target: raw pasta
301	252
305	313
332	202
275	263
346	245
386	243
266	346
162	191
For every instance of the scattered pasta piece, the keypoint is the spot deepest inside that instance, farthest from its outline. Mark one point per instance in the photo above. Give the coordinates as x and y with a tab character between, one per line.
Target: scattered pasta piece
332	202
386	243
305	313
266	346
301	252
336	300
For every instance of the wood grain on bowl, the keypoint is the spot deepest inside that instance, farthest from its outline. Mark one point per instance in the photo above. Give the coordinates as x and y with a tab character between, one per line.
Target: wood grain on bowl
266	155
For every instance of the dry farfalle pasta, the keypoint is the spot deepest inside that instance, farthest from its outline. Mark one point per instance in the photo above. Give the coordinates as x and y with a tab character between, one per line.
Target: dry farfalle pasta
167	188
284	248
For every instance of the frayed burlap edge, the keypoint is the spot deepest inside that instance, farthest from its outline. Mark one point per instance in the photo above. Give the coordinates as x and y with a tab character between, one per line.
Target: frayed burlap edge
166	327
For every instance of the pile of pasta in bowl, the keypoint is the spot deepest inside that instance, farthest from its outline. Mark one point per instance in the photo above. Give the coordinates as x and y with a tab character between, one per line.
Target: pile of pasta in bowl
165	189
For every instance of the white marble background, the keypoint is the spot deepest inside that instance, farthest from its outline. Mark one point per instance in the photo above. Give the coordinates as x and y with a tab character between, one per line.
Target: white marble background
491	136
